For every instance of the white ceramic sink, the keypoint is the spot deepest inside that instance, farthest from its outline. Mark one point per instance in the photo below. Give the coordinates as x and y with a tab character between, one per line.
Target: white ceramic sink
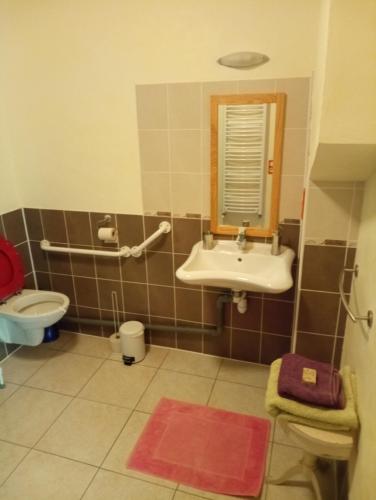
253	269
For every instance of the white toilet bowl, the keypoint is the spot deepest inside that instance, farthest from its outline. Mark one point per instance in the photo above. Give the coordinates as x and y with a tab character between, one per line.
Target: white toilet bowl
24	314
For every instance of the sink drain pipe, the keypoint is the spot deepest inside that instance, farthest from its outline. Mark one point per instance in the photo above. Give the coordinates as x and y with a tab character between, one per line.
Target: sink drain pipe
214	331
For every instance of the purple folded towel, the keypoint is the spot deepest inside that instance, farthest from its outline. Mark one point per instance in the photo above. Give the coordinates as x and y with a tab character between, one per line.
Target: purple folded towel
327	391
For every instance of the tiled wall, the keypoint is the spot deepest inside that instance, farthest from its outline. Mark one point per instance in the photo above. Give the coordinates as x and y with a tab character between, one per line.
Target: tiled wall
12	228
148	289
174	137
331	231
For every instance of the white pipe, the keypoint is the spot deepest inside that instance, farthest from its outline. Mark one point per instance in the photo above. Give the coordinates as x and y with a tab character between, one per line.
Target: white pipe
123	252
164	227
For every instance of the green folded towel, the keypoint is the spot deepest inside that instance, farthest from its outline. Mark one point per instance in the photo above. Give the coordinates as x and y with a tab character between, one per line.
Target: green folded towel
314	416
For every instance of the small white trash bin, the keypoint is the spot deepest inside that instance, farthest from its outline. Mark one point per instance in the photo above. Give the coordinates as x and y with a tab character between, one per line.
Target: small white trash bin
132	342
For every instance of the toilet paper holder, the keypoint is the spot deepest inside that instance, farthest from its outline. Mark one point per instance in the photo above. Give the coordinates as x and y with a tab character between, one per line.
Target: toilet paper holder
106	220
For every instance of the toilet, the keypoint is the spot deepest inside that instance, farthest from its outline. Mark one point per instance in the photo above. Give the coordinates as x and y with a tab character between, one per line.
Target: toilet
24	314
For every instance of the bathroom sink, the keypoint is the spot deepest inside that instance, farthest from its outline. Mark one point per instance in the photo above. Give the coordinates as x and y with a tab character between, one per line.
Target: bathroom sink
251	269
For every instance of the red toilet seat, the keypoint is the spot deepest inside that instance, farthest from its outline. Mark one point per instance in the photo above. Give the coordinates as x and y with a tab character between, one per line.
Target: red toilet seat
11	270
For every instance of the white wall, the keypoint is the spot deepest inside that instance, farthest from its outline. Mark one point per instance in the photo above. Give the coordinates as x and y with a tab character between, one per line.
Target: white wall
71	69
360	350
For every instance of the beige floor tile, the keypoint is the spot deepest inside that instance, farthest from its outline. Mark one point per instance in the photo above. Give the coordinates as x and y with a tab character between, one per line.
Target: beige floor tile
154	356
241	372
239	398
88	345
44	477
24	363
175	385
284	457
65	373
193	363
123	447
110	485
10	456
289	493
117	384
61	341
85	431
28	413
180	495
7	391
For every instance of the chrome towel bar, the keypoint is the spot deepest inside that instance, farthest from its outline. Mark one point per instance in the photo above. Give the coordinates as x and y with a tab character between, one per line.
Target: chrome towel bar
352	316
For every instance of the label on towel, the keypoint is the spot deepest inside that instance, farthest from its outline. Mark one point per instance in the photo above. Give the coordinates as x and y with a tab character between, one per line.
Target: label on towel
309	376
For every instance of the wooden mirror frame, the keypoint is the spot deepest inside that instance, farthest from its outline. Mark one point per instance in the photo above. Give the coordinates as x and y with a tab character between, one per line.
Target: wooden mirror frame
280	100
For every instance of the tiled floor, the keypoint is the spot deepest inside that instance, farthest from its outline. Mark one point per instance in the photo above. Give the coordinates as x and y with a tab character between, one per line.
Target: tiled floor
72	412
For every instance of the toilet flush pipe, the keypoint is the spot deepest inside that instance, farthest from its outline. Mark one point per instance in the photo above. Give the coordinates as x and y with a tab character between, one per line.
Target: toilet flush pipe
214	331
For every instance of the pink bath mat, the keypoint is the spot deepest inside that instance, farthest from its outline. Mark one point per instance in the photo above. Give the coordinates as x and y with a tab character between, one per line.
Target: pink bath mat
205	448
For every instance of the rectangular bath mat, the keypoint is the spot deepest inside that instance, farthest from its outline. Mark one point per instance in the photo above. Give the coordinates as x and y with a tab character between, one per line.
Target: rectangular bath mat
208	449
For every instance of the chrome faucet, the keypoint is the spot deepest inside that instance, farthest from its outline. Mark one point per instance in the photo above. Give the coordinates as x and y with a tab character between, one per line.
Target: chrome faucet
275	249
241	239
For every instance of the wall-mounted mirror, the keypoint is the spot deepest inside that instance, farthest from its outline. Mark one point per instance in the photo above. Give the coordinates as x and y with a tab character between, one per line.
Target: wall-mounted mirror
246	154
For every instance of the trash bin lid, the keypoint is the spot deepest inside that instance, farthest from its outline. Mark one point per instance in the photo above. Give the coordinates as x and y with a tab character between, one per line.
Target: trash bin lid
131	328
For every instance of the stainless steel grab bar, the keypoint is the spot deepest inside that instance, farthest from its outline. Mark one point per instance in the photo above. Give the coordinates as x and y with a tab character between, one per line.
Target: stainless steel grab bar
352	316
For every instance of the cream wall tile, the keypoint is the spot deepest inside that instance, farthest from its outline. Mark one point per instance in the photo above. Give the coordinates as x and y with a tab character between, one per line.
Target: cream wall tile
244	373
28	413
109	485
215	88
291	197
42	476
206	145
356	212
156	192
206	196
186	151
294	152
65	373
186	193
328	213
152	106
10	456
85	431
184	105
117	384
119	455
154	150
175	386
297	90
189	362
257	86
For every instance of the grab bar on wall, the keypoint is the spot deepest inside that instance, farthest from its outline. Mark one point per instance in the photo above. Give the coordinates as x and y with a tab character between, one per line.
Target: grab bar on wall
164	227
123	252
352	316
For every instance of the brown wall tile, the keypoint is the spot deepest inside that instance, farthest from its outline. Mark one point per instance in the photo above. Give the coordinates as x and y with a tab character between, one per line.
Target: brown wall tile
108	269
60	263
14	227
161	300
277	317
162	337
318	312
105	288
2	228
322	266
218	345
78	226
251	319
134	269
29	282
83	265
88	312
135	298
131	229
186	232
189	341
34	224
40	258
318	347
23	250
179	260
63	284
245	345
273	347
43	281
160	268
86	291
290	234
188	305
54	226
